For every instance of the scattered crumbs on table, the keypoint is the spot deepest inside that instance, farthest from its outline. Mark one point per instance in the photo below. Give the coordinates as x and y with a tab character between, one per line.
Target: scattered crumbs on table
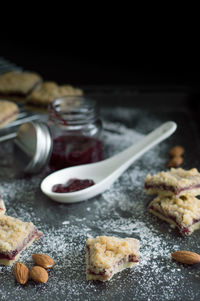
119	211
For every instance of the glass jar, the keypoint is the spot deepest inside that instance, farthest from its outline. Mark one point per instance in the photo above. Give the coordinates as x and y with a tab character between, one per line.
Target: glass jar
76	132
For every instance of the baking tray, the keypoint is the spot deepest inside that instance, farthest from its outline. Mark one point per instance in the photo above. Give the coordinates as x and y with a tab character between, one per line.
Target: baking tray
120	211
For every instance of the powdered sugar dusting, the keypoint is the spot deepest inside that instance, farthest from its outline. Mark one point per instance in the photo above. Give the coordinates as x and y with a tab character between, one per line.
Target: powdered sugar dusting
119	211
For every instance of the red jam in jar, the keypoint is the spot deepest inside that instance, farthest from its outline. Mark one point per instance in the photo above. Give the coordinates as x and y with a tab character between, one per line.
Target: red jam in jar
76	130
75	150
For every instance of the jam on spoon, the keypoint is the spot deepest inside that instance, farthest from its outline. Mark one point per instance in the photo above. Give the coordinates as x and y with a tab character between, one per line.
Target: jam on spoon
73	185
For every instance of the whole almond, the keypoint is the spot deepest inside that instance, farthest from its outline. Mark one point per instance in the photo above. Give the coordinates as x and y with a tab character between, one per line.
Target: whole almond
21	272
175	161
43	260
176	151
186	257
38	274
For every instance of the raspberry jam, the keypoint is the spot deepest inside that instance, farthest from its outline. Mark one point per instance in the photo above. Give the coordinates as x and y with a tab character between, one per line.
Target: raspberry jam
75	130
75	150
72	185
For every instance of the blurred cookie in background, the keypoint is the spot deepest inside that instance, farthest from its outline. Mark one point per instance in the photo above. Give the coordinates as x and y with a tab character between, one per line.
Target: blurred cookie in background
8	112
18	84
44	93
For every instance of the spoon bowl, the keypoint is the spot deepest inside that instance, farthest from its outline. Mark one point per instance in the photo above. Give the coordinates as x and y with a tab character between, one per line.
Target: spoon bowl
105	172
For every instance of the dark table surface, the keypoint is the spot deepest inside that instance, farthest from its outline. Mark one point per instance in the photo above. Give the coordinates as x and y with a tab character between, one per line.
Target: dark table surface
132	104
121	211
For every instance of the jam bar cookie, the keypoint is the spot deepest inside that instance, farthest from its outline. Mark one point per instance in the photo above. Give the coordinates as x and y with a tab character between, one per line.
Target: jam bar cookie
18	83
43	94
183	212
15	236
175	182
107	255
8	112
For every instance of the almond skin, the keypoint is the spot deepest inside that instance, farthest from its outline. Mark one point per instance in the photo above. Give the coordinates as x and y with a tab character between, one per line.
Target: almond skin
175	161
21	272
43	260
38	274
176	151
186	257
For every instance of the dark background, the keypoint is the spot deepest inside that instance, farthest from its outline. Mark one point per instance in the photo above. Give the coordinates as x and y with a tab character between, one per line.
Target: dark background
110	60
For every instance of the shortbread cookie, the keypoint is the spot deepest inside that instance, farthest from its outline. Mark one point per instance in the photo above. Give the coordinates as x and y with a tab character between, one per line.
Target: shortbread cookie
43	94
108	255
15	236
18	83
175	182
8	112
183	212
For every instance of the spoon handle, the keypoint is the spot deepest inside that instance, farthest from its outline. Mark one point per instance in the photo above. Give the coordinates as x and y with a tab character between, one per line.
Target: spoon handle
123	160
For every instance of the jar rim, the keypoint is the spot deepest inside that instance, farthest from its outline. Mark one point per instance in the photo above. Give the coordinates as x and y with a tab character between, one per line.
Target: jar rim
73	110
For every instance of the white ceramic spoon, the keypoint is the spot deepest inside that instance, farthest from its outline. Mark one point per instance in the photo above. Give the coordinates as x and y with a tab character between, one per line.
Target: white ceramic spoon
105	172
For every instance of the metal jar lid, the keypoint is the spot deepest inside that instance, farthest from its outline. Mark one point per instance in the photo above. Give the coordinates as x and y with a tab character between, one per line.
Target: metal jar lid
32	147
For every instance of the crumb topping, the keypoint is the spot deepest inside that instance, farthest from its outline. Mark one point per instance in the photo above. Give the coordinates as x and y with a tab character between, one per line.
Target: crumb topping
105	251
175	177
48	91
13	232
184	209
18	82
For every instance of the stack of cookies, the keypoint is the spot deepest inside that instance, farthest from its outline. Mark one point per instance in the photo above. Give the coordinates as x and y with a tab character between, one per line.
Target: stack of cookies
176	201
29	87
